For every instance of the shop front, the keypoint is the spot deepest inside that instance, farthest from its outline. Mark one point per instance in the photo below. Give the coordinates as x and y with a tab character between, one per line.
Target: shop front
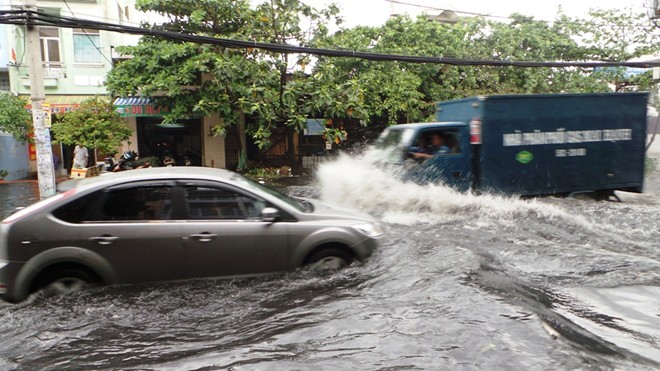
184	142
178	144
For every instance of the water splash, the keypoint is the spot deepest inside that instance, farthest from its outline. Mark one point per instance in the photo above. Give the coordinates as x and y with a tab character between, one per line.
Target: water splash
357	182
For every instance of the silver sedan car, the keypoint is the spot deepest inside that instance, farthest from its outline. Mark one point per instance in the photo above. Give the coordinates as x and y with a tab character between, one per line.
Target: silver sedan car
172	223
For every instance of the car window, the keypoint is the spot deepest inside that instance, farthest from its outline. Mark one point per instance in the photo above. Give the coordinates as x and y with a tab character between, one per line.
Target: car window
206	202
251	185
77	210
137	204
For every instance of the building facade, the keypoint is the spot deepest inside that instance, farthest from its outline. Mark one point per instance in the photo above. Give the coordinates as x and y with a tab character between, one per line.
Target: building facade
75	61
13	154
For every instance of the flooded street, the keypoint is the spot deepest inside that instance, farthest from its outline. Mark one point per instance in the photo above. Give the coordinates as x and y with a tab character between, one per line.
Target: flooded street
461	282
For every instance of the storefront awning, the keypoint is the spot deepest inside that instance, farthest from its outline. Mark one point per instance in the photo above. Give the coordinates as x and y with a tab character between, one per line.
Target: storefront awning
62	103
138	107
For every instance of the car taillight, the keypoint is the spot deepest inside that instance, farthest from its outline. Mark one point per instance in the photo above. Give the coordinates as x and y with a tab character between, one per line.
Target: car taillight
475	131
41	204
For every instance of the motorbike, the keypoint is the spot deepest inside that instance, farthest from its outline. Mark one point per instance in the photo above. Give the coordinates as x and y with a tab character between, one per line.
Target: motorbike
168	161
128	161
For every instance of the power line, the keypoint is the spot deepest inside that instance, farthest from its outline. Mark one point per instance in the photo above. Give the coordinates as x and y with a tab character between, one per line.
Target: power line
83	14
30	18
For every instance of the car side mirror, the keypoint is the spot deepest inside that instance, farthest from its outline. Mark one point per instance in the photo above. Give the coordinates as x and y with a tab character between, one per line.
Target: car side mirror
269	214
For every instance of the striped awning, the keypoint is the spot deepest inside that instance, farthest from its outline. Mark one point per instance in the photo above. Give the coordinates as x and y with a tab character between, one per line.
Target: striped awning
138	107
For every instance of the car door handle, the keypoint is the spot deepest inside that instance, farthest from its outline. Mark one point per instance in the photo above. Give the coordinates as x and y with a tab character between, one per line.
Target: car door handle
203	237
30	240
104	240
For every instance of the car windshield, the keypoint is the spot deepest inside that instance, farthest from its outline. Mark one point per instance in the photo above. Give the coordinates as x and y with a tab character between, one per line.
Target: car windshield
300	205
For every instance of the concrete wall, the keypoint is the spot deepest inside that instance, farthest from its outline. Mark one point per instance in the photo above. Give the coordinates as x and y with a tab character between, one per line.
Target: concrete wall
131	122
13	157
213	147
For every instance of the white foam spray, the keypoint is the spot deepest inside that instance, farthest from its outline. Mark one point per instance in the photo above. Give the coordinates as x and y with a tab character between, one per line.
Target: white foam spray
357	182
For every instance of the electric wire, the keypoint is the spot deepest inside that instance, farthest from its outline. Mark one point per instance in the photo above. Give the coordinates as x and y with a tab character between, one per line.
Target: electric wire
32	18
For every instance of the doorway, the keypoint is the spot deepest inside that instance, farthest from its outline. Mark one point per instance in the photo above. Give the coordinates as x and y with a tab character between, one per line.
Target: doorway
181	141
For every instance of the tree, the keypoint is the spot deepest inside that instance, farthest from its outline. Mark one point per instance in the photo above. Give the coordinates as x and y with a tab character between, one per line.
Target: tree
270	88
14	117
95	124
399	92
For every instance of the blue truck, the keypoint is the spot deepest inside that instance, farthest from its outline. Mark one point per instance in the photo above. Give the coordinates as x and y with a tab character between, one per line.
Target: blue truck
527	145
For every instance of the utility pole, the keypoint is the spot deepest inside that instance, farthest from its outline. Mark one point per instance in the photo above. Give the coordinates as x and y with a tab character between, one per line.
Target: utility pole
45	171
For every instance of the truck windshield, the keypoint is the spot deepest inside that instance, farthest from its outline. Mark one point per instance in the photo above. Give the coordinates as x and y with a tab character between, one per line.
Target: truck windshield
393	138
392	143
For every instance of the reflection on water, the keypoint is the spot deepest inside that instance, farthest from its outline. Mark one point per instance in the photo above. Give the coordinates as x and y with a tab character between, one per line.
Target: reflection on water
17	194
460	282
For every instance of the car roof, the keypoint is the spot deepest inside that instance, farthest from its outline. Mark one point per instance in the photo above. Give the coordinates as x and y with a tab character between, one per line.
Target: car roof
151	173
426	125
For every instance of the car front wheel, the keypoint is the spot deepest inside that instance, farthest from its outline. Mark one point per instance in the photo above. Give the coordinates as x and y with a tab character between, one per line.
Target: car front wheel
329	259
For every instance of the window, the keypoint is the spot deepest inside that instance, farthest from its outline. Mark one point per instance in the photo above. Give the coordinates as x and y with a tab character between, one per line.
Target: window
78	210
86	46
49	38
437	142
4	83
138	204
216	203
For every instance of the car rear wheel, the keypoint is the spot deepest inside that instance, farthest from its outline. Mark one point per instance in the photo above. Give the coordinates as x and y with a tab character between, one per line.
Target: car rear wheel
64	280
329	259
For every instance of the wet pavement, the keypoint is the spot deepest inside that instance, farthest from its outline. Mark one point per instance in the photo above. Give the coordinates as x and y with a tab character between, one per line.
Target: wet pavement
17	194
461	282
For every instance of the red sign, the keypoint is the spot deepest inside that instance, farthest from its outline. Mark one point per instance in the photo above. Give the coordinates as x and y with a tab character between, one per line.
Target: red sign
32	148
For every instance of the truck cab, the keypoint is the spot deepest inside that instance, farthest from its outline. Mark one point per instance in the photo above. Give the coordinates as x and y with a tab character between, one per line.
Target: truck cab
450	164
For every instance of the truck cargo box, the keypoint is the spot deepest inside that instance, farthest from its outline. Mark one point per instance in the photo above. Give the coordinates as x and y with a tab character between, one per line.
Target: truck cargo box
556	143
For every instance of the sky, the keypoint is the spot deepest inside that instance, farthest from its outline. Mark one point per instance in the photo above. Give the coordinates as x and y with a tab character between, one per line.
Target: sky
376	12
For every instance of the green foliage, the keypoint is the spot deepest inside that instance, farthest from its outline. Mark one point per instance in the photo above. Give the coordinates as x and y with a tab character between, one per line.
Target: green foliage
397	92
3	173
263	173
95	124
14	118
269	88
273	89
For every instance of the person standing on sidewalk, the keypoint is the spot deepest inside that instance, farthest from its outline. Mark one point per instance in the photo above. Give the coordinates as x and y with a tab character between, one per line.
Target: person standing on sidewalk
80	157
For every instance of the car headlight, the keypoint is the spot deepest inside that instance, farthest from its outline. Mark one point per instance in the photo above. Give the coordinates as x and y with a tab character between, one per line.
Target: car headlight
369	229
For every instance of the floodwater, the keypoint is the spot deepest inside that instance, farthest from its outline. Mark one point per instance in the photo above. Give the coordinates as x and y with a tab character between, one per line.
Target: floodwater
460	282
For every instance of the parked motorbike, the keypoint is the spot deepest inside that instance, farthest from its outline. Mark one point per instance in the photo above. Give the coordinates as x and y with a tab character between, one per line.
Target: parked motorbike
168	161
129	161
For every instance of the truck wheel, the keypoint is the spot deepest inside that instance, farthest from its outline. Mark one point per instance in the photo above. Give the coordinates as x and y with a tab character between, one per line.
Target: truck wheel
329	259
64	280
